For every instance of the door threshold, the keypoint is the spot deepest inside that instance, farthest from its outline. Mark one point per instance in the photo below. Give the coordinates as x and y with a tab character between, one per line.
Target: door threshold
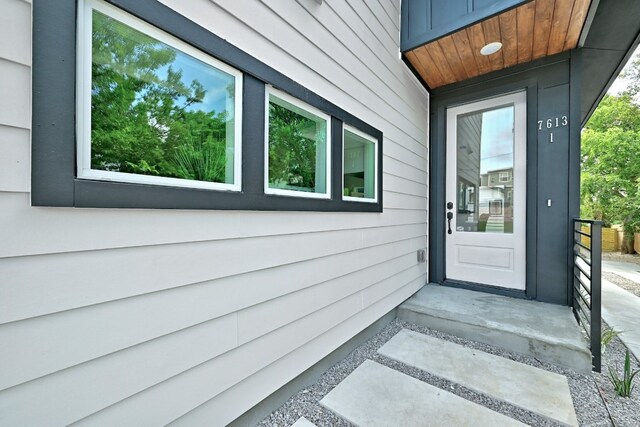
489	289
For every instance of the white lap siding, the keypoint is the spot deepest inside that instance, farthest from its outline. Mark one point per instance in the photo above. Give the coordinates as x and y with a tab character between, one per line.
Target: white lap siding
144	317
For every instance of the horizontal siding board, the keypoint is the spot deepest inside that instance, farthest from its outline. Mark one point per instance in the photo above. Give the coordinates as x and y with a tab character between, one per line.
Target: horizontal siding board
357	59
351	32
292	43
69	338
15	37
380	15
14	161
194	387
405	186
415	277
341	12
407	156
363	14
73	230
105	313
392	12
69	395
315	74
260	319
99	276
15	85
404	201
398	168
372	35
225	407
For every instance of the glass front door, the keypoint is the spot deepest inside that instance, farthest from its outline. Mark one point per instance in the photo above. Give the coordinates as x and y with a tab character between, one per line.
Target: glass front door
485	186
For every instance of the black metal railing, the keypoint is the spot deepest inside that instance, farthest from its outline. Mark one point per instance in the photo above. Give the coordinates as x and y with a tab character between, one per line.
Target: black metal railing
587	282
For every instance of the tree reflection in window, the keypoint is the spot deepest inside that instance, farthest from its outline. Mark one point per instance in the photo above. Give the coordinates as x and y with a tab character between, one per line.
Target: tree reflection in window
156	110
297	148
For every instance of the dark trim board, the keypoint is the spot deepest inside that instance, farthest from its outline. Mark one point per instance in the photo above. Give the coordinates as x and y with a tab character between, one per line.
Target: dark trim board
419	26
53	175
613	36
478	287
546	81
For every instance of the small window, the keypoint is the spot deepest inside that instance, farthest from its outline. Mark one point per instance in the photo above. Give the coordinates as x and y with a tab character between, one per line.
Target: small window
504	177
298	148
152	109
359	178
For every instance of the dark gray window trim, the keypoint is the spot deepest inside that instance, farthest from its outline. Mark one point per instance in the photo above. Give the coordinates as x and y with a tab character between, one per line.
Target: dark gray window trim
53	175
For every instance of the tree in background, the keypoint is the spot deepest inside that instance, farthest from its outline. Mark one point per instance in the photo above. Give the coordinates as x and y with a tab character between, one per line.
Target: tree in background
142	115
292	148
611	160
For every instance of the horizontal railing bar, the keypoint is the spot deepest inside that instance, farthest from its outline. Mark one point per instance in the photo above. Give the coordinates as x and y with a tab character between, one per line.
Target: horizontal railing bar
583	246
582	271
584	322
583	233
585	310
587	303
584	285
578	254
586	221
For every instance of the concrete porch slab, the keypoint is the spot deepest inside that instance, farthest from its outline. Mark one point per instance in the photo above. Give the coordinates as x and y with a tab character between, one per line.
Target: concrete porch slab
548	332
375	395
536	390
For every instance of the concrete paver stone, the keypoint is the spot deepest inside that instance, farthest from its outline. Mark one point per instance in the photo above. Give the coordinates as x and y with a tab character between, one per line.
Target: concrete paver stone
536	390
375	395
303	422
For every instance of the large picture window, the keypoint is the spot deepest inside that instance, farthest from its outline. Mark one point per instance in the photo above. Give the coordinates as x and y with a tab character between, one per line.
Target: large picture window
153	109
359	179
135	106
298	148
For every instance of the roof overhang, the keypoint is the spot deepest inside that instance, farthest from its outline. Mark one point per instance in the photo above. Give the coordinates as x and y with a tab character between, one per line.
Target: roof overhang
441	39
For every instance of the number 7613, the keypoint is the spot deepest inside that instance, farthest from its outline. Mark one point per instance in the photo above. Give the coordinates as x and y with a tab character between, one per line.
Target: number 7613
553	122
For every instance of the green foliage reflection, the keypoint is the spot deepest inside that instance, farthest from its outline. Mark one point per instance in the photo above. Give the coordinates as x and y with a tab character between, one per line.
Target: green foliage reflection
146	116
293	141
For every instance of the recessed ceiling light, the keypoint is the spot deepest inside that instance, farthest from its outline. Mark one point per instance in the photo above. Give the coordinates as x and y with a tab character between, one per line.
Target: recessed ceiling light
491	48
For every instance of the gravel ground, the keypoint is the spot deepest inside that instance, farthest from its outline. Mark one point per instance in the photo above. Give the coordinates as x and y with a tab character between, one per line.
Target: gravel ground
624	411
617	256
589	392
623	283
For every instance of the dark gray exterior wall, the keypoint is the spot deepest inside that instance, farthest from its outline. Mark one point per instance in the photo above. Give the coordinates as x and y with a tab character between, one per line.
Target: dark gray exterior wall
552	86
426	20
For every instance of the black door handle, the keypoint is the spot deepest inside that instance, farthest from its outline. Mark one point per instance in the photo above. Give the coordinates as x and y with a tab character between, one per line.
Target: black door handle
449	218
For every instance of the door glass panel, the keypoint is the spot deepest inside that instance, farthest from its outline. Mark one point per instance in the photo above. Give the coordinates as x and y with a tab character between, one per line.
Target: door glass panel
485	141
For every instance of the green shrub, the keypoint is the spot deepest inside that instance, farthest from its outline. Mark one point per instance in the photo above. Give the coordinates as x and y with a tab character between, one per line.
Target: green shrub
623	386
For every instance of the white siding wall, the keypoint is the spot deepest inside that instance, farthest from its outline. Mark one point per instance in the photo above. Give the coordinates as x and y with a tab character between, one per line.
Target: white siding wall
143	317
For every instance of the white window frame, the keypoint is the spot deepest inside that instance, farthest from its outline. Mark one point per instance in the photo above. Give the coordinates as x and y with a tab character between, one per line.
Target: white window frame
83	100
375	165
506	176
270	90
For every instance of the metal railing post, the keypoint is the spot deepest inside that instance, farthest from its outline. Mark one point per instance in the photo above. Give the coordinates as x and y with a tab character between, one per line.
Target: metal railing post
587	284
596	294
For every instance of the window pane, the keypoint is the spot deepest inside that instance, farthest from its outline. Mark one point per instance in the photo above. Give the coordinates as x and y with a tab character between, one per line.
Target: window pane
156	110
297	148
485	144
359	166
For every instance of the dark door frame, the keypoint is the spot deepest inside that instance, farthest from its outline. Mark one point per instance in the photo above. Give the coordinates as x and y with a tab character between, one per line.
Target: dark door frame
437	172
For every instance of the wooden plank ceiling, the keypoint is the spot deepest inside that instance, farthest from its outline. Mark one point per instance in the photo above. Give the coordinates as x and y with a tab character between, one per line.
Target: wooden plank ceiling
536	29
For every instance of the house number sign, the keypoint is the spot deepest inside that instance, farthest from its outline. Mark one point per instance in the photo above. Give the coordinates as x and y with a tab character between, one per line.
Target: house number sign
552	123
